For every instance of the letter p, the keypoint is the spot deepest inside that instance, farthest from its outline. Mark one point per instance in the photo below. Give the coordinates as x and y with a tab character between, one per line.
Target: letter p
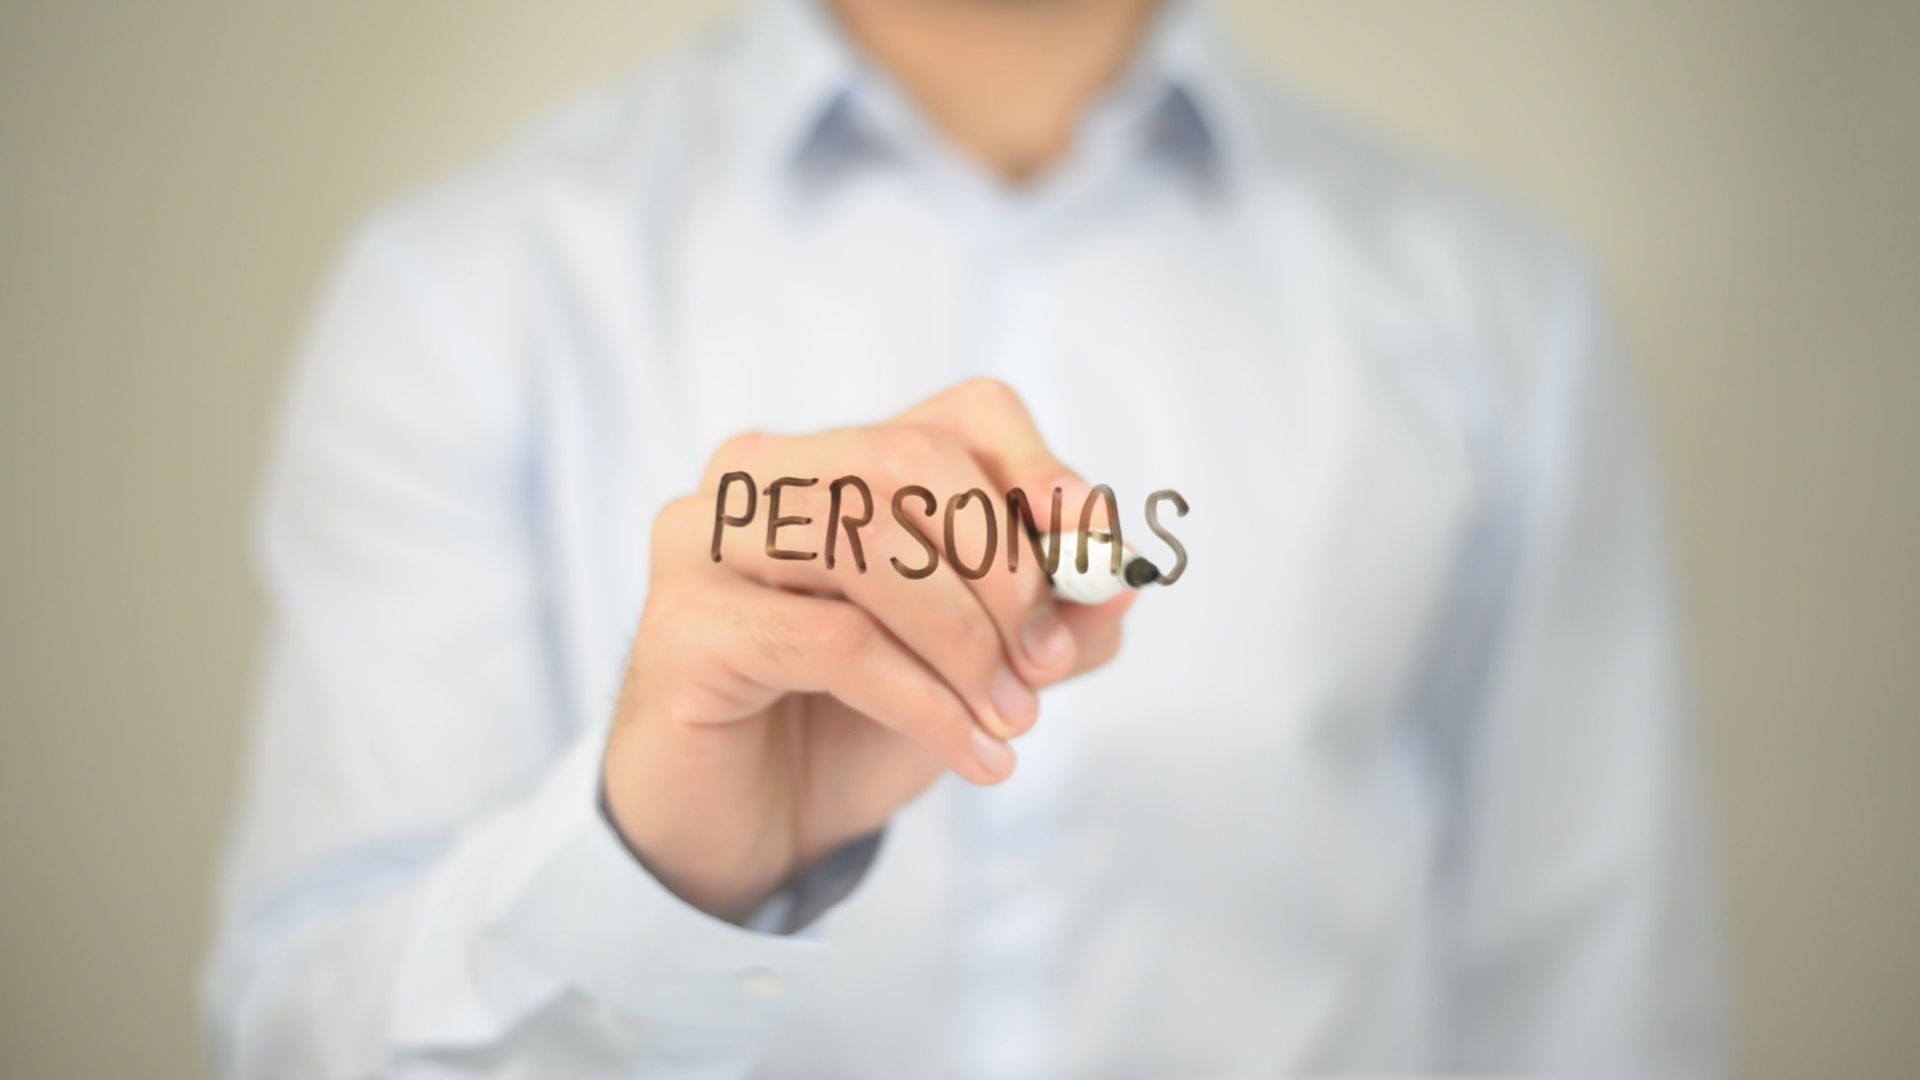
722	519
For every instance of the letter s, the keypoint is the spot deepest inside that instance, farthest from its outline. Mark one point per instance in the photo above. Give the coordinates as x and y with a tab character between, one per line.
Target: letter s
1168	577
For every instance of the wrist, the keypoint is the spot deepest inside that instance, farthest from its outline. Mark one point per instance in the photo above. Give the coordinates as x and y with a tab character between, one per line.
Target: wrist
697	870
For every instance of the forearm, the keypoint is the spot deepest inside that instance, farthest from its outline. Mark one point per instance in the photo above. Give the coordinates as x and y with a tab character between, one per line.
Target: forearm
531	938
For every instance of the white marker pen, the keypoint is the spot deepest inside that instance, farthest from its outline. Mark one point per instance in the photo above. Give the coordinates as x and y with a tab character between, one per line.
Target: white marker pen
1099	583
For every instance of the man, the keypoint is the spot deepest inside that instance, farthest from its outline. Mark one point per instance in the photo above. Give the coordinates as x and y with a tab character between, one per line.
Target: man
557	775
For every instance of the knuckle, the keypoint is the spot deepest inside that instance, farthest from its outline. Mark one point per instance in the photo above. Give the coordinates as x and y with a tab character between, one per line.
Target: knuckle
884	536
662	606
941	721
673	631
984	645
735	453
672	620
672	524
903	451
675	515
811	501
741	446
775	639
843	632
950	726
986	392
680	704
973	638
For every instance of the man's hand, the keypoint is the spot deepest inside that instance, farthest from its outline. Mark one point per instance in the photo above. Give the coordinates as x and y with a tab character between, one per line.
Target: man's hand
774	710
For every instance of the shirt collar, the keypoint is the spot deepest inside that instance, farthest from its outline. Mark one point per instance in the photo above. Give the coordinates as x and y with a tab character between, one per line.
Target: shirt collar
814	95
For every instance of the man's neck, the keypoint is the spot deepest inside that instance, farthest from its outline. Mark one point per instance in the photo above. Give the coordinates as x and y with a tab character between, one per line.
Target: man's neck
1006	80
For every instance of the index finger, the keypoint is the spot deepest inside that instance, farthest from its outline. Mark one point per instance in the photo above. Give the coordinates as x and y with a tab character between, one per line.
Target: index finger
994	426
991	421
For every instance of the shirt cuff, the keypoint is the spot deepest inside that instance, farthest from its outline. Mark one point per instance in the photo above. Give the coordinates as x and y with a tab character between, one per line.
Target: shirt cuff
588	911
794	908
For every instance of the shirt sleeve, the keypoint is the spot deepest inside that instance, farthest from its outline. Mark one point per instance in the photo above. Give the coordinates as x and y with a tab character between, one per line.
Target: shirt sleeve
1588	942
421	881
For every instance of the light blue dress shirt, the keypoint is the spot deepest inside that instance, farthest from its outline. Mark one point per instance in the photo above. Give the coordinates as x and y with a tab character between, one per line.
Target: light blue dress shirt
1398	778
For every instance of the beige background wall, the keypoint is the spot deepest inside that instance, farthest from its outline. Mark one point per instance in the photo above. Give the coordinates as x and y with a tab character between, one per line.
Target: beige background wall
173	176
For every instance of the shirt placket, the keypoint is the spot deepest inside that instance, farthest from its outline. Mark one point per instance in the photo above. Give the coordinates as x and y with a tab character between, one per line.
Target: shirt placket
1012	910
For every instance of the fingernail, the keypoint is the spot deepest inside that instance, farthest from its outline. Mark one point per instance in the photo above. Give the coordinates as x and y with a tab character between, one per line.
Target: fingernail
992	754
1016	704
1048	642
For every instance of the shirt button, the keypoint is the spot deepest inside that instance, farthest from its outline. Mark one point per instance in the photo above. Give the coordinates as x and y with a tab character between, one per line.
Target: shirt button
762	984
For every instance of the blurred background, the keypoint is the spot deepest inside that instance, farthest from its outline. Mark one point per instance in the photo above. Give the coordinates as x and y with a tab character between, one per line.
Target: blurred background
175	176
